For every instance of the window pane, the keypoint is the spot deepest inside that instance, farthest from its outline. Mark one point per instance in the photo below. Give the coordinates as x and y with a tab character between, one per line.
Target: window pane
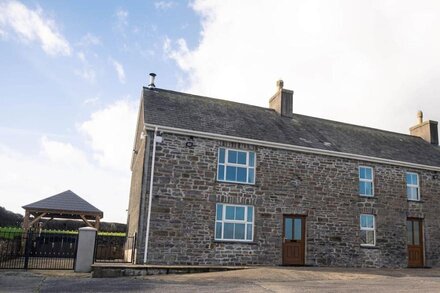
369	221
249	232
239	231
412	193
362	187
297	229
408	178
370	237
239	213
368	173
241	175
229	231
250	214
251	175
241	158
221	158
416	233
218	230
230	213
221	172
409	232
219	212
231	173
367	237
288	228
251	159
232	156
368	188
363	235
362	172
365	221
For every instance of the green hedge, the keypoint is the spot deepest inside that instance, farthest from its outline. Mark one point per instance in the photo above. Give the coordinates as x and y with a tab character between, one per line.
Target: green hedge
8	232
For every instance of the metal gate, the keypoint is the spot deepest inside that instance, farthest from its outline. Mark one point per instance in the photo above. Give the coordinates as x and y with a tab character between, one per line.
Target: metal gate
111	248
34	250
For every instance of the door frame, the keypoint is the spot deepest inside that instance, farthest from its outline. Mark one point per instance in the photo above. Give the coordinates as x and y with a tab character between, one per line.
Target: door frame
422	239
304	234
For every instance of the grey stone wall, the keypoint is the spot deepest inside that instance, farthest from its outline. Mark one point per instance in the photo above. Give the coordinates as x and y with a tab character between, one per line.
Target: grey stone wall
287	182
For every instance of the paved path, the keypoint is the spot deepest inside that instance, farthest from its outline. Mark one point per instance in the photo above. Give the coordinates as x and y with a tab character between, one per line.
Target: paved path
251	280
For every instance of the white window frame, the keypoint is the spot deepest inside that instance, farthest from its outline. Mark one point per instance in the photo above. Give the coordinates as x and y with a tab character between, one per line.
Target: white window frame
368	229
226	164
413	186
224	220
366	180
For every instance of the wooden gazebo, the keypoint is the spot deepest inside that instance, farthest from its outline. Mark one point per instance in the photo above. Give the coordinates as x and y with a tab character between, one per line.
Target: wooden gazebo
65	205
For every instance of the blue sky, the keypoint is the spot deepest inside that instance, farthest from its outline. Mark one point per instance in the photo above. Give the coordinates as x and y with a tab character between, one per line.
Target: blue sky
71	73
39	88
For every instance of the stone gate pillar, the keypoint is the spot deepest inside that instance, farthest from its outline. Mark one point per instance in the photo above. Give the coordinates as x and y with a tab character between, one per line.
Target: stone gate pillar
86	249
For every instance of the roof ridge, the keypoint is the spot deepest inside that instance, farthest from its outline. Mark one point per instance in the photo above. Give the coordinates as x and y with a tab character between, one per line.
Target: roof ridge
211	98
298	114
360	126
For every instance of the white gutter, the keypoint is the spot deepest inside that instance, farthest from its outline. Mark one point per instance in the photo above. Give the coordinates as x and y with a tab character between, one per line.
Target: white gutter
289	147
150	196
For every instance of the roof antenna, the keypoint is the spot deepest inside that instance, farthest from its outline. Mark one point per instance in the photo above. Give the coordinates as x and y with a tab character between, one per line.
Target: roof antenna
152	77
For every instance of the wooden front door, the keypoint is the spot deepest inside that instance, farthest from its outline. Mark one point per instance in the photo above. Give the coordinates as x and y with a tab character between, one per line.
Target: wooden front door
415	242
294	242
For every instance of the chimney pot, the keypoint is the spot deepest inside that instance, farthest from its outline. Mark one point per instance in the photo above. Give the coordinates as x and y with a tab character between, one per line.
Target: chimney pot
280	84
152	78
419	117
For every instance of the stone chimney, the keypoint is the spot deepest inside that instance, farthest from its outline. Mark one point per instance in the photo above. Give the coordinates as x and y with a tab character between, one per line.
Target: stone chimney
282	101
425	129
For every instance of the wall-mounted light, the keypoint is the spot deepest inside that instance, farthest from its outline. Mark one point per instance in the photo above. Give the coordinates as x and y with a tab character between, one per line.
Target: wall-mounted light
189	144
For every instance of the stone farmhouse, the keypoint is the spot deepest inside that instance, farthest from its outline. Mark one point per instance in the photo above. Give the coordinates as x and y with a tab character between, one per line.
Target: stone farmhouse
223	183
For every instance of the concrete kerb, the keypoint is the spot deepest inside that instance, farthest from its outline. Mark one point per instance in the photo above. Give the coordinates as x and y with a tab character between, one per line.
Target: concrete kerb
130	270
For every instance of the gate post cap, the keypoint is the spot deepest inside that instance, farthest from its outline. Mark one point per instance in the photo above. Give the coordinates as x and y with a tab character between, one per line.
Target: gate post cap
87	229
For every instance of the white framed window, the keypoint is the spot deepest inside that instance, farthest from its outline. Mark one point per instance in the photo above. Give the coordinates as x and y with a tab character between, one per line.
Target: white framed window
368	230
366	181
234	222
236	166
412	186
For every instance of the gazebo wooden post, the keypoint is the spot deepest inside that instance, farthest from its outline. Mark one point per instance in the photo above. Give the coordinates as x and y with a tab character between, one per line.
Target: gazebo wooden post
97	222
26	221
24	235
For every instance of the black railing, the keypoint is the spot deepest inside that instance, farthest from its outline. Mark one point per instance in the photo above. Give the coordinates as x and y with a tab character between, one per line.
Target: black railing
32	250
118	249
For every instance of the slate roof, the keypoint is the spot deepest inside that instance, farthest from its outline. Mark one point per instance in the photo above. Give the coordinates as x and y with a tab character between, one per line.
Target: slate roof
64	201
185	111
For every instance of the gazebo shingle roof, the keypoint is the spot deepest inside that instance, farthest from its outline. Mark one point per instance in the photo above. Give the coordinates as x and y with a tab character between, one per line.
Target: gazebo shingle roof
65	201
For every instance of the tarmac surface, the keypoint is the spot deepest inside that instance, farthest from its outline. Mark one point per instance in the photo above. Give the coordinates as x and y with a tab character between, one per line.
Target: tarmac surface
261	279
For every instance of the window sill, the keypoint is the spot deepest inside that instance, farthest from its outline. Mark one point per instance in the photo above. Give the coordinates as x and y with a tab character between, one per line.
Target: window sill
369	246
367	196
232	182
415	200
234	242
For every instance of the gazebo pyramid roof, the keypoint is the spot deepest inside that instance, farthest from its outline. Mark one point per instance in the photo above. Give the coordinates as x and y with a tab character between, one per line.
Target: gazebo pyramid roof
66	201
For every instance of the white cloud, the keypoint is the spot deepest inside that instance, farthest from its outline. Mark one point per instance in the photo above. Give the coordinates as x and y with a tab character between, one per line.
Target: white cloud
91	101
110	133
62	153
164	5
86	72
373	63
32	26
119	70
103	179
89	39
121	19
